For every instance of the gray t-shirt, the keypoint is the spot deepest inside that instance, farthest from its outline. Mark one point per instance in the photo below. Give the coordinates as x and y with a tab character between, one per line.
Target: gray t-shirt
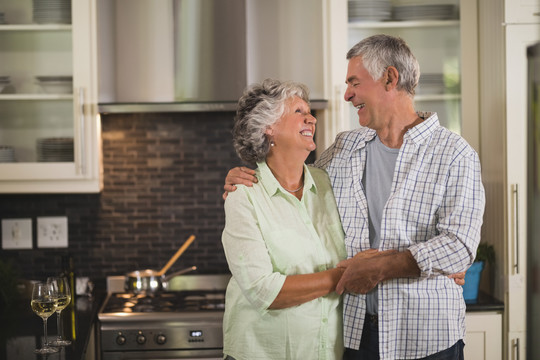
377	181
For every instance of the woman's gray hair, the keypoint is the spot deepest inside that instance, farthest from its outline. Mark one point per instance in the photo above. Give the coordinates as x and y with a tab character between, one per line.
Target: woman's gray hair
380	51
260	107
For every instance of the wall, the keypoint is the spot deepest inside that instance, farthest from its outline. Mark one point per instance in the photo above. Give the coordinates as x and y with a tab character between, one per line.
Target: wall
163	179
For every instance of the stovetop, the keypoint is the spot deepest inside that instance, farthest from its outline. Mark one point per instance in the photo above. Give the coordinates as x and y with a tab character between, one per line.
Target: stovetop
165	302
184	322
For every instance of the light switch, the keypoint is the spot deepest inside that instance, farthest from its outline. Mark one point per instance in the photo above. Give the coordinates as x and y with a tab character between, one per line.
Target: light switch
16	234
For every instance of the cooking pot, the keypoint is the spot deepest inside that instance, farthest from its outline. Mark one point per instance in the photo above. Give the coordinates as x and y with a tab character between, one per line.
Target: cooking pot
150	281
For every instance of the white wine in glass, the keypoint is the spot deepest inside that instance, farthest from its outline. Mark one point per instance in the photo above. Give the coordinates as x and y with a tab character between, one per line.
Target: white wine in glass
43	303
62	293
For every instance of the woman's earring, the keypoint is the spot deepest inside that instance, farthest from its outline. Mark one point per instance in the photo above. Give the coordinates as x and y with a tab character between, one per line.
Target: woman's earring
272	143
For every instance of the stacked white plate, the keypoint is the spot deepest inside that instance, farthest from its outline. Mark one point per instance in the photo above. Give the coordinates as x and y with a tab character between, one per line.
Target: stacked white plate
4	81
369	10
55	149
52	11
56	84
7	154
430	84
425	12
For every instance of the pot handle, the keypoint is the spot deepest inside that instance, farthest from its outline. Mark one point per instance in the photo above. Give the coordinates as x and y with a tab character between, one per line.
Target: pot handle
180	272
176	256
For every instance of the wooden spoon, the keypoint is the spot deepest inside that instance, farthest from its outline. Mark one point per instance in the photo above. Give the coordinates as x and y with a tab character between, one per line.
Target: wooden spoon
176	256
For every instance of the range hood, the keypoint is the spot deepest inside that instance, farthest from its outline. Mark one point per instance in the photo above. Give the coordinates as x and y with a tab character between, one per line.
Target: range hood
156	107
199	55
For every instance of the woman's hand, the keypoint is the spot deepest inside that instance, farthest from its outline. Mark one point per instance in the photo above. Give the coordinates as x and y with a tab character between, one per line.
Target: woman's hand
459	278
238	175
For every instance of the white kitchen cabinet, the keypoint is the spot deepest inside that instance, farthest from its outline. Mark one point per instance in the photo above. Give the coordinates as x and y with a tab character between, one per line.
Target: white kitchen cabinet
446	48
518	38
522	11
29	113
503	155
483	339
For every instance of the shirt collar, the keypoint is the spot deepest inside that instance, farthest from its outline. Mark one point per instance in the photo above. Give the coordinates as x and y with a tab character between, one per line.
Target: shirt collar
416	134
272	186
419	133
367	135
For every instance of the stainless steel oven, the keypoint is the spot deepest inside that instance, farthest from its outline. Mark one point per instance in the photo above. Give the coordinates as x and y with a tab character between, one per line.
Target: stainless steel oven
182	323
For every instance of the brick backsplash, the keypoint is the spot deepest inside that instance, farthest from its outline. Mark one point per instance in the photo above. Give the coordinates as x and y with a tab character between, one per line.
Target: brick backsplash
163	180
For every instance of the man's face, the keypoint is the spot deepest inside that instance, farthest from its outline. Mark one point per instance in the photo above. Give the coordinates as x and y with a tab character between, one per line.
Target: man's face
366	95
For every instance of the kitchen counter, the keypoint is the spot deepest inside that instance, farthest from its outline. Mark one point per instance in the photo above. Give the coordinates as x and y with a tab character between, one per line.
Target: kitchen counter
22	331
485	302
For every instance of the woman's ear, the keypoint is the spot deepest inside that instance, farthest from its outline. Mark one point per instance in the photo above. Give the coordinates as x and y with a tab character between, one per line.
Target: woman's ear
269	131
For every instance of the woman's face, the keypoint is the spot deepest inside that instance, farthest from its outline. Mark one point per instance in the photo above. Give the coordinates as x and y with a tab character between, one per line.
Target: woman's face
295	129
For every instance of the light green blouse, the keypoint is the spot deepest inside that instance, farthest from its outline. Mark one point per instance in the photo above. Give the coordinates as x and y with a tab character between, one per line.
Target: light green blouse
268	235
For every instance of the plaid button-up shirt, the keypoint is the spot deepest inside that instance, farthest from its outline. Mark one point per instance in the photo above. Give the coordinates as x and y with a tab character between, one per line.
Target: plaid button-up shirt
435	211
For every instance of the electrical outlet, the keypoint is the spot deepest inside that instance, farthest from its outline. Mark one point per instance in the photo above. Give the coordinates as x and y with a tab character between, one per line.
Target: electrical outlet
16	234
52	232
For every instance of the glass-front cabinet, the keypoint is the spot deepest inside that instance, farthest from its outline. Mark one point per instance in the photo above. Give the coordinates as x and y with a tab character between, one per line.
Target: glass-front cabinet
49	127
443	37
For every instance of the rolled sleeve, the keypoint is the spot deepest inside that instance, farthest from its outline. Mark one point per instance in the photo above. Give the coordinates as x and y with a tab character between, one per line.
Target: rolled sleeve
459	222
247	254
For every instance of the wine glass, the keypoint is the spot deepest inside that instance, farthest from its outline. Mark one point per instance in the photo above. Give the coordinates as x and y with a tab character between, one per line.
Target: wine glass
44	305
62	293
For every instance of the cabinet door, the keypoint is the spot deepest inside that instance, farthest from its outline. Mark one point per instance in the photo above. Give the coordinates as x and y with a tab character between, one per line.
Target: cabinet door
48	124
522	11
483	340
518	38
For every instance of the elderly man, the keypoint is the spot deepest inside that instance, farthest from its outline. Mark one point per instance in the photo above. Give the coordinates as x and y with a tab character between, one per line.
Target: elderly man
402	182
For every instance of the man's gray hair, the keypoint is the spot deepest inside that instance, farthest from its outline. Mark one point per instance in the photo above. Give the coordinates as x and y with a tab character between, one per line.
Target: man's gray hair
260	107
380	51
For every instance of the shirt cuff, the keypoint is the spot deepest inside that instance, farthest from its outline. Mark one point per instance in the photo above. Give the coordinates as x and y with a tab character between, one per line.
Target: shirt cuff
421	255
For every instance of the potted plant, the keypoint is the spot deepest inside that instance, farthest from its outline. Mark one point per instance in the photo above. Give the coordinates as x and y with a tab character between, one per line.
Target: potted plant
484	254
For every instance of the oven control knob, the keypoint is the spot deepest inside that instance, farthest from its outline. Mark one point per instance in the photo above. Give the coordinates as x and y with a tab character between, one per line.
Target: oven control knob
120	339
161	339
141	339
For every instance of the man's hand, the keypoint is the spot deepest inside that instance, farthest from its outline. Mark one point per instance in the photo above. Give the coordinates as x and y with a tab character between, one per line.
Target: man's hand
459	278
238	175
367	268
363	272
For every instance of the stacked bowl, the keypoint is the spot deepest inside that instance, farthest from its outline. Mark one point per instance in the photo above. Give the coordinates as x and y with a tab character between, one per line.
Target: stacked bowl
369	10
7	154
52	11
4	81
56	149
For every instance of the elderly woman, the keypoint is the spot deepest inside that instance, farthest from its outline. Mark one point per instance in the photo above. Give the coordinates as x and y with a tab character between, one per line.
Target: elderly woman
282	237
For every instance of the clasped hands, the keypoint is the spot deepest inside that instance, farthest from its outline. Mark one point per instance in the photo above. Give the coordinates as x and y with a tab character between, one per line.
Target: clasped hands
367	268
362	272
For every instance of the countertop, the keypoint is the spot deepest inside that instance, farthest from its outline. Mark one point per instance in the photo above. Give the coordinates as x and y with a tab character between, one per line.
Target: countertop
485	302
22	331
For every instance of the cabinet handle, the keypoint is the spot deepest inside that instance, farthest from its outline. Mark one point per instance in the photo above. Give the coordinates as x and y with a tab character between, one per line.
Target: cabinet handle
515	192
516	349
82	132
